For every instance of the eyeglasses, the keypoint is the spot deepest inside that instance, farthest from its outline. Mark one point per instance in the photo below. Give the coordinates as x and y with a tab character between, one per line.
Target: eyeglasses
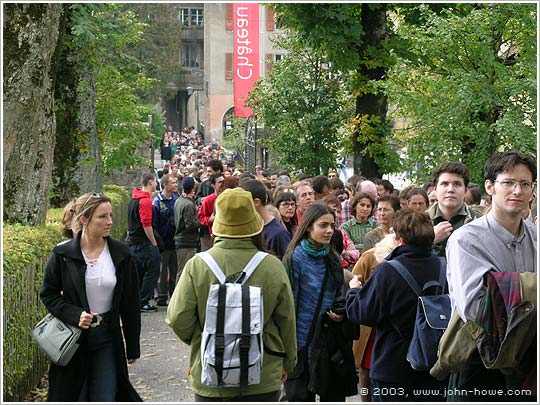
93	195
526	186
287	204
331	176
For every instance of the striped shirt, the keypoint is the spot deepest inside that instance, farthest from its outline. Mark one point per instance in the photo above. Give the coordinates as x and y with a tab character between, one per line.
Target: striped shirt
357	231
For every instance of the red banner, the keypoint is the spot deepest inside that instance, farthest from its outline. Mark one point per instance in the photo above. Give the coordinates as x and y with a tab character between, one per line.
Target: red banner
246	54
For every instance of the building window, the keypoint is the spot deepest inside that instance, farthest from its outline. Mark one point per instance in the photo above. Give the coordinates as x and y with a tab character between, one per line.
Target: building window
191	17
196	16
229	16
278	57
192	55
229	66
270	23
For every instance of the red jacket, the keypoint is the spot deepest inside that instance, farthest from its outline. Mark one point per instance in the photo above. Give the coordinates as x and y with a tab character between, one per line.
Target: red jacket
206	211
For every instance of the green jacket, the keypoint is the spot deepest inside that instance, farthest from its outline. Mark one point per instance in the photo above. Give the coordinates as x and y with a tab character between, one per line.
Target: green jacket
187	309
465	211
186	223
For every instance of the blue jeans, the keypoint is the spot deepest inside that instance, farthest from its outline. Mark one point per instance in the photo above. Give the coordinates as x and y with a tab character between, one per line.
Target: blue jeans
147	262
101	383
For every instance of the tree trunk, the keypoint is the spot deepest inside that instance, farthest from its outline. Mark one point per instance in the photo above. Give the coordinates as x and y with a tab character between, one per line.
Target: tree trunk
368	104
67	144
31	41
88	172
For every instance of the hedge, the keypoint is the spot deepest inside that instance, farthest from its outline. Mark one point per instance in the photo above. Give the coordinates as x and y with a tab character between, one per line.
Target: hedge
26	250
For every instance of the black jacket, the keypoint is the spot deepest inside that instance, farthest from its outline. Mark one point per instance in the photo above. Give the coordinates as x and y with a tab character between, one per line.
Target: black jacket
332	368
64	295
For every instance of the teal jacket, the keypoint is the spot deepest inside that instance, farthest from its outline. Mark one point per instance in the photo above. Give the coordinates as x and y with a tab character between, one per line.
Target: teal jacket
187	308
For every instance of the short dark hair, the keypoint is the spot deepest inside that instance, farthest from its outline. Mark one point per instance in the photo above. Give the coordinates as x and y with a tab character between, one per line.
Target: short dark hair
215	164
427	185
404	194
336	184
390	198
146	178
418	191
360	196
214	177
457	168
415	228
389	187
257	190
319	182
501	162
475	193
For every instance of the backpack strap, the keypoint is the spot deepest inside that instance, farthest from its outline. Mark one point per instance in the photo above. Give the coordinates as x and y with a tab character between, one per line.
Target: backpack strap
245	340
441	282
253	264
220	331
209	260
442	273
403	272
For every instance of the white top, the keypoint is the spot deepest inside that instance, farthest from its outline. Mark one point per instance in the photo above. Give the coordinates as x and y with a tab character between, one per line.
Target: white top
100	281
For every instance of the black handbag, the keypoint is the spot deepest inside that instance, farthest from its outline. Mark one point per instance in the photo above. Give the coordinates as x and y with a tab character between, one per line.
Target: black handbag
296	385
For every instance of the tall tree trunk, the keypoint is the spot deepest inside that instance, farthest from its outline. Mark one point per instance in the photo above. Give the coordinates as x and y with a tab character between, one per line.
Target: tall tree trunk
368	104
88	173
31	39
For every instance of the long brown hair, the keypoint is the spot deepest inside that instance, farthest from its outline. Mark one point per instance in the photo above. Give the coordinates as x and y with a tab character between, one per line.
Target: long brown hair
311	214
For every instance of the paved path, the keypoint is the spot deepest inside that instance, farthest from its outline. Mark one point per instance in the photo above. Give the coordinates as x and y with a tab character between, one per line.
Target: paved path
160	375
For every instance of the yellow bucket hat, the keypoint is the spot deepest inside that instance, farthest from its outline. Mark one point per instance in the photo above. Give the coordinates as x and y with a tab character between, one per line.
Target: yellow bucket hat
235	215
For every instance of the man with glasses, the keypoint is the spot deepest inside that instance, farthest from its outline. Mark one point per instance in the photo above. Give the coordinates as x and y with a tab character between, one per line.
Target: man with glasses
305	196
501	241
142	241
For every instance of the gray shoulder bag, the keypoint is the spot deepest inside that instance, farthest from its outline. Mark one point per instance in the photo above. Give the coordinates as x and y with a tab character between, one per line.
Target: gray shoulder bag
57	339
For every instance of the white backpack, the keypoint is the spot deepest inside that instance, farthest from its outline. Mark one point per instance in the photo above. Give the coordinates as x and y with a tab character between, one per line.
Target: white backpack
232	340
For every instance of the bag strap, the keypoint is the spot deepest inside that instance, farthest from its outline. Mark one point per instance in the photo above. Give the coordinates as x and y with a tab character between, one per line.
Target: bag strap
248	270
220	331
253	264
319	304
209	260
245	340
403	272
442	272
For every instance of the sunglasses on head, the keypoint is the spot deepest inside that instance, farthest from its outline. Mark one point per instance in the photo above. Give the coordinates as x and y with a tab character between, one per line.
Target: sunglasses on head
93	195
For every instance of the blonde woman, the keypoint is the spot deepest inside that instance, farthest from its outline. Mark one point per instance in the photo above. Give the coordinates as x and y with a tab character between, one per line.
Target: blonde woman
90	282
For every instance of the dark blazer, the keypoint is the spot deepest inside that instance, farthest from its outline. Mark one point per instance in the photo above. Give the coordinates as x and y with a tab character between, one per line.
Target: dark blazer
65	272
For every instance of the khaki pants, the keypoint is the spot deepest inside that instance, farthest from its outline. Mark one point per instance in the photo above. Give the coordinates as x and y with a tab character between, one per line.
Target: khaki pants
182	257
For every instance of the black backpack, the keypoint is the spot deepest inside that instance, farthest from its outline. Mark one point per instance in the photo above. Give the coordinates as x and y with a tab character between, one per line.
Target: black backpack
432	317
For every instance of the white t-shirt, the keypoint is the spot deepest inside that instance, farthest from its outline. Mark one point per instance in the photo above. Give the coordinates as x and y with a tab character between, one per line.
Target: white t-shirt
100	280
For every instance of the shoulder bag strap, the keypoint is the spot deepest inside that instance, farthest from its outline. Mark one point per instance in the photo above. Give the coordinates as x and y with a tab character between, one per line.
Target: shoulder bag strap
209	260
253	264
403	272
442	273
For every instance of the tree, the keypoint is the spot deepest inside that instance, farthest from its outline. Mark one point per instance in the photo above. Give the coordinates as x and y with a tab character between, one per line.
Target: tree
102	118
303	99
466	87
31	37
353	38
158	52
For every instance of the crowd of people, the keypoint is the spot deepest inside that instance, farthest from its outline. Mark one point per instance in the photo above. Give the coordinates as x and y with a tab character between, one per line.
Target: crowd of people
329	243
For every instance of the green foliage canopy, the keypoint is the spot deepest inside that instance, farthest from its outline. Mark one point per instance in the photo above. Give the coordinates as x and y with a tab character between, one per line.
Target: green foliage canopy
467	85
304	101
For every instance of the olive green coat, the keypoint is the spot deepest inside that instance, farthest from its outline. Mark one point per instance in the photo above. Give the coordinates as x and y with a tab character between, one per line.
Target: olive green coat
187	307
